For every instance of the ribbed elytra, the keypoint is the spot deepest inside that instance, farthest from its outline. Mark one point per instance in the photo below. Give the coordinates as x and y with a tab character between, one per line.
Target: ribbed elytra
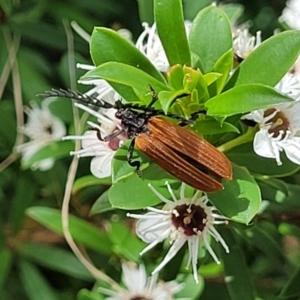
185	155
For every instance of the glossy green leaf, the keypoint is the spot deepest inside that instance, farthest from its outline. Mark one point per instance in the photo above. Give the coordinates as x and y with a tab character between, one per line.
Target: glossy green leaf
233	11
126	244
146	11
175	77
291	288
268	63
168	99
89	180
101	205
223	66
244	98
192	7
127	75
190	290
237	277
55	259
240	200
170	28
35	285
210	37
120	165
109	46
52	150
244	155
212	126
133	192
82	231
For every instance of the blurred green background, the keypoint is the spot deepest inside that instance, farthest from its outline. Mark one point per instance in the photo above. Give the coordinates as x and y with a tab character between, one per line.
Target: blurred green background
36	263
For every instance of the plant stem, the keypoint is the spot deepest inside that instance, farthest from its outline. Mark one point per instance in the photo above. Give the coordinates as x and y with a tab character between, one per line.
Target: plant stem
242	139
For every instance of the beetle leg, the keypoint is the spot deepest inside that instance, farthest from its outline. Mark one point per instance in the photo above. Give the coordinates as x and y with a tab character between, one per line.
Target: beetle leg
154	96
98	132
135	163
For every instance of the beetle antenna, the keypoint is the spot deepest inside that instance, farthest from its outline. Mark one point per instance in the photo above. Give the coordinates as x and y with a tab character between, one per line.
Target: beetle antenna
86	99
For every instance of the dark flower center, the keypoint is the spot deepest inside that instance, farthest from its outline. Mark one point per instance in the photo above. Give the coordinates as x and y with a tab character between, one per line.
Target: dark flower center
139	298
49	129
190	218
278	122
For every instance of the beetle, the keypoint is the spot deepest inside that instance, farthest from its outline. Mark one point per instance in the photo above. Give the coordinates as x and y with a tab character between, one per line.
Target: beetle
177	150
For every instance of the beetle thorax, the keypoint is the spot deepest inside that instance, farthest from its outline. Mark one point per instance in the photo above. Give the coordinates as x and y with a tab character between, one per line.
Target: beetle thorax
133	122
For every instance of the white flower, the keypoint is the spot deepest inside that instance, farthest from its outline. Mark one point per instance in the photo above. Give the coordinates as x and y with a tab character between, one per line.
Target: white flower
291	14
93	146
182	220
140	287
279	125
150	45
42	128
245	43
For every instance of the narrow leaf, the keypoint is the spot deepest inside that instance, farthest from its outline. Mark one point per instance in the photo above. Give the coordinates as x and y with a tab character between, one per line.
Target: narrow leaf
268	63
35	285
82	231
210	36
237	278
127	75
244	98
109	46
171	30
55	259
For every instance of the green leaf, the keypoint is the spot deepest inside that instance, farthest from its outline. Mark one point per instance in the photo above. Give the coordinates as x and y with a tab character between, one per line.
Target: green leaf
20	202
273	190
109	46
127	75
52	150
244	98
61	109
85	294
81	231
268	63
120	165
210	37
133	192
170	28
237	278
291	288
146	11
35	285
5	265
190	290
223	66
89	180
233	11
126	244
263	240
244	155
175	77
55	259
212	126
101	205
192	7
240	200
